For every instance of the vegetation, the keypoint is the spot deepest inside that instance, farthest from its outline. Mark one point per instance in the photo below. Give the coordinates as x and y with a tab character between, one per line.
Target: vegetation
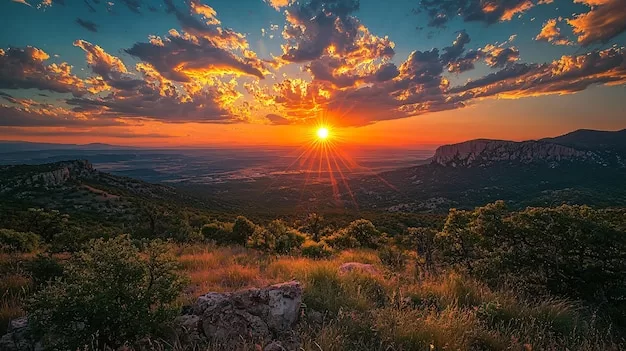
483	279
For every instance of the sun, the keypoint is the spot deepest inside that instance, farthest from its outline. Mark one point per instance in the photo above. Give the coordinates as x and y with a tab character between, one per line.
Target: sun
322	133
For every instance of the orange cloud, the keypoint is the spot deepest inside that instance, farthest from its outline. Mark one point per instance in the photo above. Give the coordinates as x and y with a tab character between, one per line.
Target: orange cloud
605	20
552	34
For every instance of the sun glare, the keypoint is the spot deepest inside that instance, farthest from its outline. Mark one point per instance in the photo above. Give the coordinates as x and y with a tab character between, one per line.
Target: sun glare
322	133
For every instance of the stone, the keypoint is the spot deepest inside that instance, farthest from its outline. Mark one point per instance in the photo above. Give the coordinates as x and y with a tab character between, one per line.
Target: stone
356	266
16	338
274	346
253	314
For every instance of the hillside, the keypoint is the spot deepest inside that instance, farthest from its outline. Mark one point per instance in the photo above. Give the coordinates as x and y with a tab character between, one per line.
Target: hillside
543	173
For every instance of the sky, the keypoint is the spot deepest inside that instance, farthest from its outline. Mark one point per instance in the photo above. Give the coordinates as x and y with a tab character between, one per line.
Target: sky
401	73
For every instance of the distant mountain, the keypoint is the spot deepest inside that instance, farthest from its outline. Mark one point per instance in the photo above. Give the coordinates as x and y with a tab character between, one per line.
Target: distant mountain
592	140
76	187
17	146
586	146
583	167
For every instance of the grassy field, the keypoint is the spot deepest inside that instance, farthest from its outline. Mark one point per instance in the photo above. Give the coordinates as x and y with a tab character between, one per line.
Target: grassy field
394	309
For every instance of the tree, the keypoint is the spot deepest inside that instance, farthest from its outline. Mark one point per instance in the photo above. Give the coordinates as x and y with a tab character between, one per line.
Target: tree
220	232
242	230
276	237
313	225
110	294
364	232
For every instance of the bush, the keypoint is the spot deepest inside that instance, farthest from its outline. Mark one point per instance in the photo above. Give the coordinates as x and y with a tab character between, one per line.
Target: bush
393	257
364	232
242	230
341	240
314	249
43	269
220	232
110	294
277	237
13	241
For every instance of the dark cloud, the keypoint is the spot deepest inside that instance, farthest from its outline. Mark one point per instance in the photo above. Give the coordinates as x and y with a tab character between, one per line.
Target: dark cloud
605	20
277	120
88	25
178	57
110	68
567	75
25	68
488	11
30	113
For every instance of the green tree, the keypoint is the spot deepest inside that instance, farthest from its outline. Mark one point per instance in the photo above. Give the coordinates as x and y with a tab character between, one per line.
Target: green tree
220	232
364	232
242	230
110	294
313	225
276	237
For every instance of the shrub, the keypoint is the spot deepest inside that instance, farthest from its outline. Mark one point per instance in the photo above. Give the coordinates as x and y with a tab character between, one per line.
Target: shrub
13	241
242	230
44	268
364	232
393	257
341	240
313	225
314	249
277	237
220	232
110	294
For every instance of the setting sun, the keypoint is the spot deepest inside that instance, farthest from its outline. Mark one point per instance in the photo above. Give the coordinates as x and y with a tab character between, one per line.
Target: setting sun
322	133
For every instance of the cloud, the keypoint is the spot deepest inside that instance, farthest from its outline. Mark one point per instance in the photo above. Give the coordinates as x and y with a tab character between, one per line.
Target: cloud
88	25
29	113
569	74
605	20
109	68
552	34
25	68
488	11
278	4
277	120
78	131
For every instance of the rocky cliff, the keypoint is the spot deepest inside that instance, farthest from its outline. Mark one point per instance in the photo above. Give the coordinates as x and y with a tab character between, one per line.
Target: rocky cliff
50	175
483	152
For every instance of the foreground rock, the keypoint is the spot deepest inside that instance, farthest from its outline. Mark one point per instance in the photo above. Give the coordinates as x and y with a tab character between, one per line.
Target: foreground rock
261	316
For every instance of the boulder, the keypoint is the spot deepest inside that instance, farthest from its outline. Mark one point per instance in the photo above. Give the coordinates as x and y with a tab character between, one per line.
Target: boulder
359	267
255	315
17	338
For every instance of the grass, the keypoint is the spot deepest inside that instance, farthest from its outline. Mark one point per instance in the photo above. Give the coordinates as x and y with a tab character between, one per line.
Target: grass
392	310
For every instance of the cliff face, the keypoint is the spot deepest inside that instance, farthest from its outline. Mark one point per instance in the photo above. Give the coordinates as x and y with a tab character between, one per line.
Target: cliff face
484	152
50	175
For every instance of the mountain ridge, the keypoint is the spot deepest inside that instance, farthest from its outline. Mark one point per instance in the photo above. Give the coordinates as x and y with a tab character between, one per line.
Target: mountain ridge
584	146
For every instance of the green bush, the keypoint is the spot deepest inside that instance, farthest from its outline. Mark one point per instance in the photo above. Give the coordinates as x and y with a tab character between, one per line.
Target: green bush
276	237
243	228
314	249
110	294
393	257
13	241
364	232
43	269
220	232
341	240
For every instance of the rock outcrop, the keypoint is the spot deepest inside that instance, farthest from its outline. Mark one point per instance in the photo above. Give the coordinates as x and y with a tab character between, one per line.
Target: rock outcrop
263	316
49	175
482	152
